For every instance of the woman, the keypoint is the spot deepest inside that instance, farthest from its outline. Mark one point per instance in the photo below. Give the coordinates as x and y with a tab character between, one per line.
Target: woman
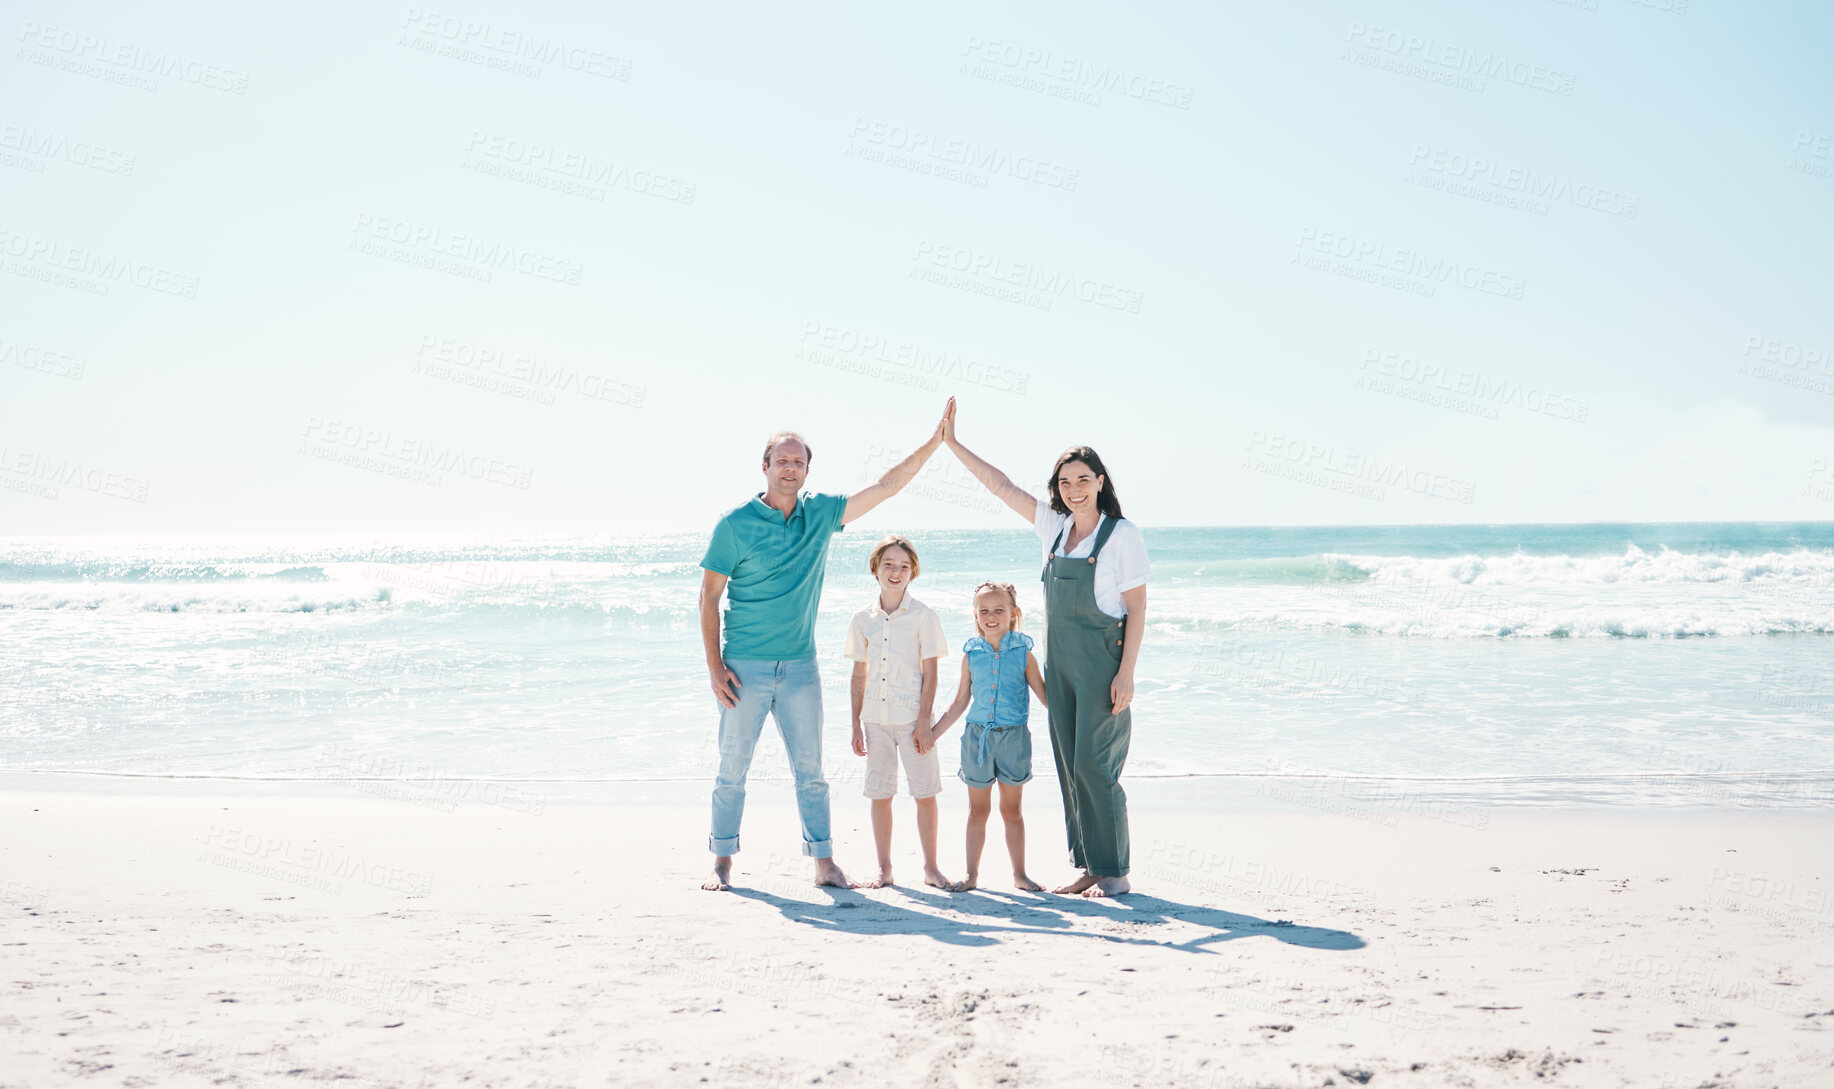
1095	574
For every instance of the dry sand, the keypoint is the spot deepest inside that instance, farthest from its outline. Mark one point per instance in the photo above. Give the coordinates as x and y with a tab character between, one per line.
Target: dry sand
221	934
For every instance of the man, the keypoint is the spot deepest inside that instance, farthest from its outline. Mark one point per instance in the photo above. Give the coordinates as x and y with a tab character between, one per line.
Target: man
768	557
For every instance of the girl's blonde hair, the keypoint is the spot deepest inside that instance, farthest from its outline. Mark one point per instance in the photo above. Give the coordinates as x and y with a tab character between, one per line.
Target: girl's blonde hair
1012	595
899	540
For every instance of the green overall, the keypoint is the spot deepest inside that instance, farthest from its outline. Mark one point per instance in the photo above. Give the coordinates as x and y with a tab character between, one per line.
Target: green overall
1089	741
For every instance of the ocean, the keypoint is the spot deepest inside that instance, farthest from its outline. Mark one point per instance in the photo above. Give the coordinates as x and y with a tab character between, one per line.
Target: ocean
1368	669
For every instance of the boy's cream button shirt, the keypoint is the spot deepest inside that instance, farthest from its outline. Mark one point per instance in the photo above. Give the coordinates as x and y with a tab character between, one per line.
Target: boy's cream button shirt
893	646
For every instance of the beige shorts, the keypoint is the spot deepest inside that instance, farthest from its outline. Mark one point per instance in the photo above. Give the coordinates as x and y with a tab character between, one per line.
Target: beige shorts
886	746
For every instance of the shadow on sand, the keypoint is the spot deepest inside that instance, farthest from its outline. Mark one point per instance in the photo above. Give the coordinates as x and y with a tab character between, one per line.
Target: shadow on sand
1124	920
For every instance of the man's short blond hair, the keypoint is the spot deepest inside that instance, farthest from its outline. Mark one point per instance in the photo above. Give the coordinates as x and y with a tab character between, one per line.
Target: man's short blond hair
770	444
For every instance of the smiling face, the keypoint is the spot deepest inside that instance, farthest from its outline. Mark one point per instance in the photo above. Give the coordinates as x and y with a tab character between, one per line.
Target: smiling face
786	468
1078	485
895	570
993	613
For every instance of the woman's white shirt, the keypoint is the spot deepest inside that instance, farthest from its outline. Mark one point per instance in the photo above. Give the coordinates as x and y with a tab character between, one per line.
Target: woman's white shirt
1121	566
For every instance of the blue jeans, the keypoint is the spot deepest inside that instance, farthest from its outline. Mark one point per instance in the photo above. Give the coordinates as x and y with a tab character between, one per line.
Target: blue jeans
789	692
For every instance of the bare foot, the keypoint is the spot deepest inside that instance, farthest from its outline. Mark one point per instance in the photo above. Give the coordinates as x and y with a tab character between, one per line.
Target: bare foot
721	881
1108	886
933	877
1026	884
1076	887
827	873
883	881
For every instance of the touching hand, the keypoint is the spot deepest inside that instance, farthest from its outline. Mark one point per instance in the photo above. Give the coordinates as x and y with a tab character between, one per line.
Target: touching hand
725	685
946	427
859	741
920	734
1121	691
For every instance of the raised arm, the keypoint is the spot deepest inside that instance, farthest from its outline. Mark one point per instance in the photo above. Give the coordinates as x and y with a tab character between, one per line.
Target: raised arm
892	482
1023	503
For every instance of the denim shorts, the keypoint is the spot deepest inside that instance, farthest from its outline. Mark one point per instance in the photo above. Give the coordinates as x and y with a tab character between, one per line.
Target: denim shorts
1006	755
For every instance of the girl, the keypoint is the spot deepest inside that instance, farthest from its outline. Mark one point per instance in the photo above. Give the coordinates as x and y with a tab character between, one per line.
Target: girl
997	668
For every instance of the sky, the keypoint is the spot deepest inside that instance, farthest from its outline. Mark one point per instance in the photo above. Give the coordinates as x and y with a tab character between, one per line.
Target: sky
562	267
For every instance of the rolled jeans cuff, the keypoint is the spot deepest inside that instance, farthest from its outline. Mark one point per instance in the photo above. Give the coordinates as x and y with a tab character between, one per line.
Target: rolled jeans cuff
723	848
819	849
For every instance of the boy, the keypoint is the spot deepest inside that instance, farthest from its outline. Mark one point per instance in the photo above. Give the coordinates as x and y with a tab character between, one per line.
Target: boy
894	644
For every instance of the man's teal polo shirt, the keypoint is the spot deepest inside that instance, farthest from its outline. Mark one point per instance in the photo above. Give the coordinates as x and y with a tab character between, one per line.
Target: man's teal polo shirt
774	567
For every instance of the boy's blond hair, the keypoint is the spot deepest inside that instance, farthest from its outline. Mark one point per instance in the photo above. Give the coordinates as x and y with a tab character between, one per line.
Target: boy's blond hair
1012	595
890	539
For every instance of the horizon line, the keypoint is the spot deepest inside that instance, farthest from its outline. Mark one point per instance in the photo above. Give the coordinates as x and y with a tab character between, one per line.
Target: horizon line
945	529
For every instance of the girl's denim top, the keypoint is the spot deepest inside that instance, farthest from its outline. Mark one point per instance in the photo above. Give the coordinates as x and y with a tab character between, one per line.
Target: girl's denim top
1001	697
